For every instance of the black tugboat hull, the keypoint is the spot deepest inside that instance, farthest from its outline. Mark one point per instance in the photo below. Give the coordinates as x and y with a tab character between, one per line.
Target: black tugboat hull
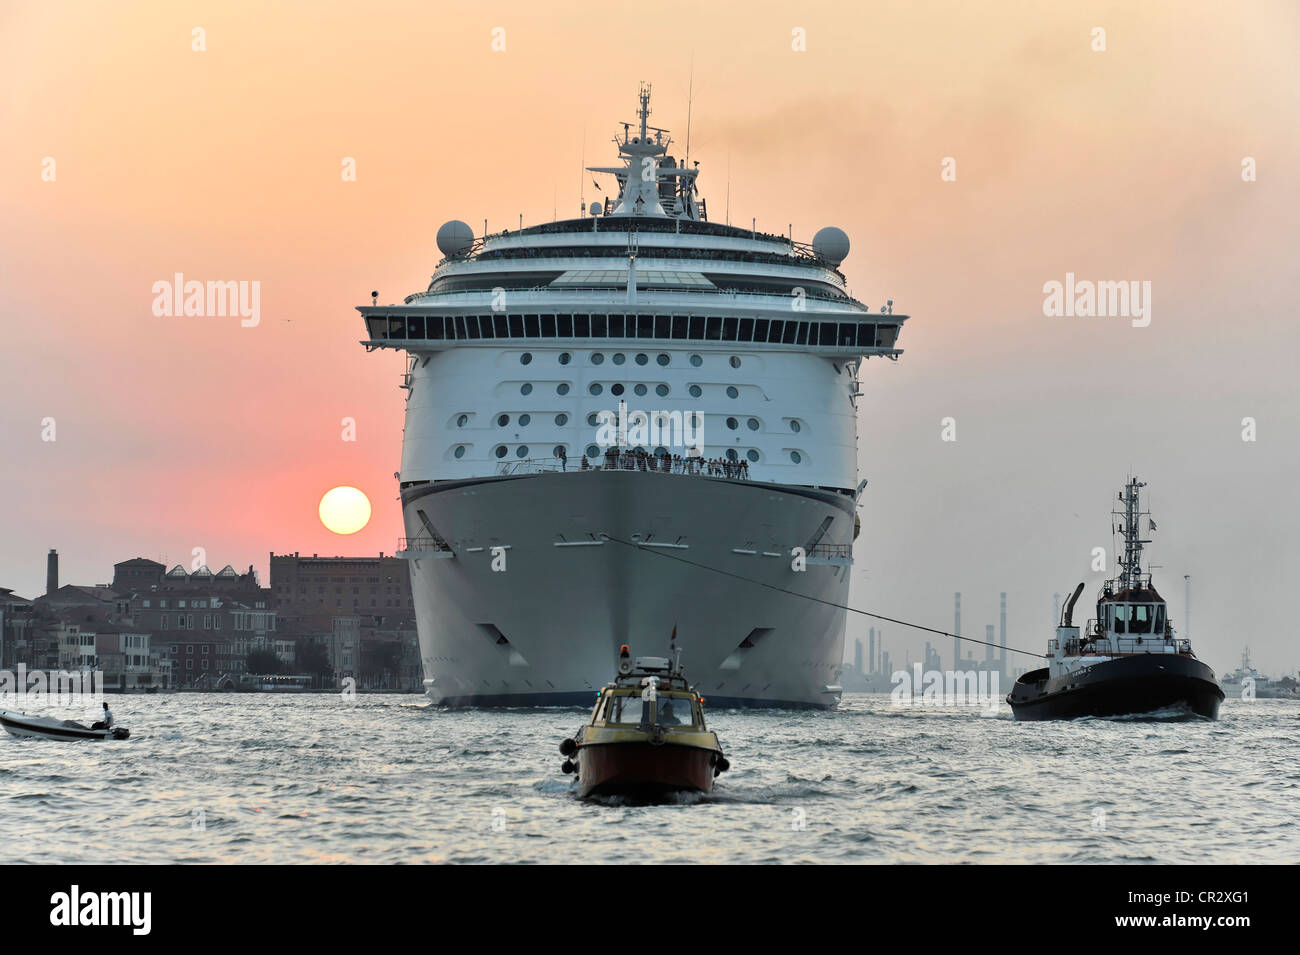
1134	685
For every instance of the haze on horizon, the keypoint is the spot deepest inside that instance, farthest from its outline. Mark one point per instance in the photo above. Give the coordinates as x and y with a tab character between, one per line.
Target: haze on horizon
176	433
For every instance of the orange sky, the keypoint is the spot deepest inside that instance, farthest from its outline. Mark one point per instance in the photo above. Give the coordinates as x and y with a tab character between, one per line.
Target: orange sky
175	433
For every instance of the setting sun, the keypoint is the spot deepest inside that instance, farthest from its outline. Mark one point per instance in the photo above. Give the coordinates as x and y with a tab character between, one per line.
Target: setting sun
344	510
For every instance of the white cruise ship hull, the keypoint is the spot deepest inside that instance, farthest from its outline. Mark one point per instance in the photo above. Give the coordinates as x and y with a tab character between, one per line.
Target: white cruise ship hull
546	630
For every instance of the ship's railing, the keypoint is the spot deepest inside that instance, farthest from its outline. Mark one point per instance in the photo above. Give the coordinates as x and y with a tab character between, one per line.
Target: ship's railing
835	551
618	294
631	461
1120	645
425	543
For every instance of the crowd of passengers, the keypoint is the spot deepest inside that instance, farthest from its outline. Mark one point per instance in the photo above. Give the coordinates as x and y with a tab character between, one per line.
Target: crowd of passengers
620	459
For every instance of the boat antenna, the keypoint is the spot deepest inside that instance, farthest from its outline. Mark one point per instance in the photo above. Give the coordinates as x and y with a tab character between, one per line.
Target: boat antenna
728	187
582	174
690	98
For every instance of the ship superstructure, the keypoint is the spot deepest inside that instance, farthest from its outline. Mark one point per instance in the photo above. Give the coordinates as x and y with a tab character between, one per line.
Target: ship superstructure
626	422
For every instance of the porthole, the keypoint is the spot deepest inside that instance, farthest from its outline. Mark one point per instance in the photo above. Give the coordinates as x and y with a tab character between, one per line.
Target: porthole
661	452
462	421
735	361
592	419
640	390
593	451
696	360
561	420
696	391
521	451
663	359
501	451
619	358
642	359
616	389
525	358
558	451
526	389
597	359
733	424
562	388
460	450
796	457
732	392
595	388
794	426
661	391
503	420
753	424
524	420
565	358
751	454
731	454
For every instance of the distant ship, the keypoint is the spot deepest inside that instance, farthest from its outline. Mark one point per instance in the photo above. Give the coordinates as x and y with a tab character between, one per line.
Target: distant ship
541	537
1245	682
1129	661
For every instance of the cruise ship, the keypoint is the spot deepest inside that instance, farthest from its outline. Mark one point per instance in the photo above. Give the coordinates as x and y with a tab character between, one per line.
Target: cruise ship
629	428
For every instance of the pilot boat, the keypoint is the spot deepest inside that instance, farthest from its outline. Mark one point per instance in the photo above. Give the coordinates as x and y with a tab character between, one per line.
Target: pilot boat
47	727
1128	659
646	736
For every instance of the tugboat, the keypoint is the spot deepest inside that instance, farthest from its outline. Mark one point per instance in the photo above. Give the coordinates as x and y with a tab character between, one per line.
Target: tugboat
646	737
1129	661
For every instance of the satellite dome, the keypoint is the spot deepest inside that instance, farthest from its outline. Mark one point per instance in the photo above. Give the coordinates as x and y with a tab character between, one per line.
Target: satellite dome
457	238
595	209
831	244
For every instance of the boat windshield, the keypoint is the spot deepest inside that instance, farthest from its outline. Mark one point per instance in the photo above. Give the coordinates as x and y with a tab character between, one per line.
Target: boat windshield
675	711
628	708
1137	618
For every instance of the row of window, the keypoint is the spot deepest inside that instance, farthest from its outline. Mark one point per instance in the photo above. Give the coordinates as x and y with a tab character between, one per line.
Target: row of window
618	358
562	389
593	419
728	328
243	621
594	452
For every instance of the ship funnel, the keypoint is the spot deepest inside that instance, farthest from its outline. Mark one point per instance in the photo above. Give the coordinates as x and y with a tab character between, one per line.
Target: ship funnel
1067	615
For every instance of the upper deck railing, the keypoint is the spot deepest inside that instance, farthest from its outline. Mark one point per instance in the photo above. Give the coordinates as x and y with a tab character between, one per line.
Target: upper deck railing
646	225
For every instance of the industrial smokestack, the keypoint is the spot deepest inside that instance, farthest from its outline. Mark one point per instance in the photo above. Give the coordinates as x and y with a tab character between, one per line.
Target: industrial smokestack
988	641
51	572
956	628
1004	632
871	649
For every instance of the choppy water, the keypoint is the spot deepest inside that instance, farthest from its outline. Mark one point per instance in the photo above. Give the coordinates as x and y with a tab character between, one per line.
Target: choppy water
389	779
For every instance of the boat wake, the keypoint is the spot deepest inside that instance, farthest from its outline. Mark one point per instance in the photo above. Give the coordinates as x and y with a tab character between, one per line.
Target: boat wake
1178	713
